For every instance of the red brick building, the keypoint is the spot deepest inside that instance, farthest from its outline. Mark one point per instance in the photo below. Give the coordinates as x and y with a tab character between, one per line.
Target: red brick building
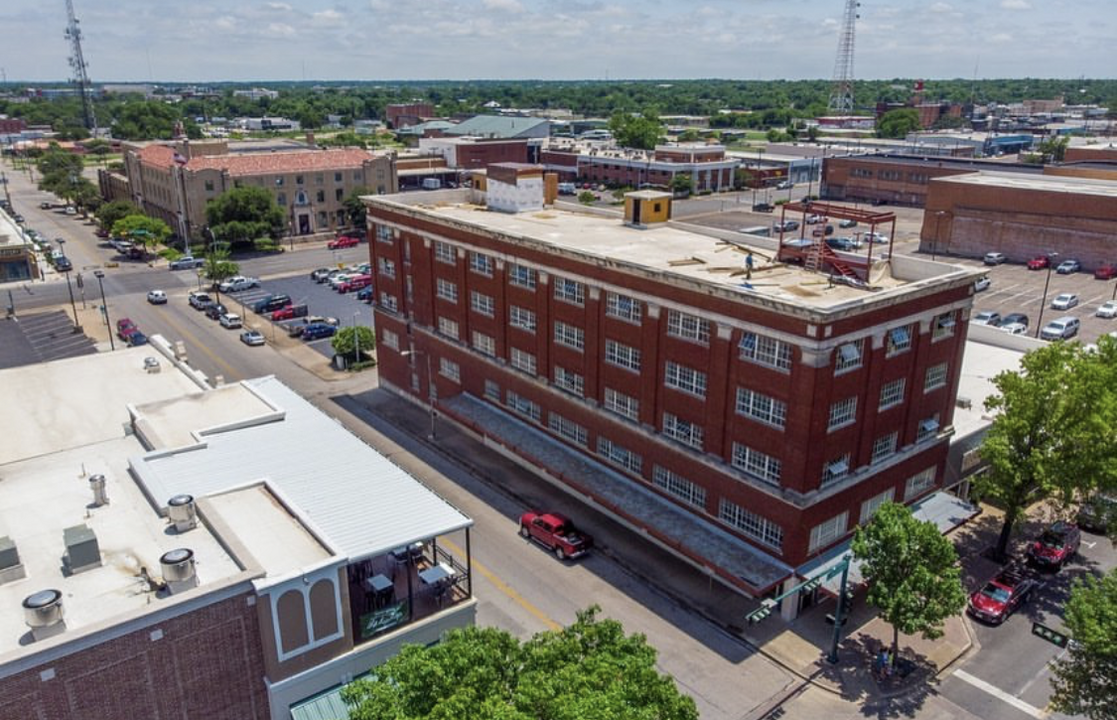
707	165
682	383
401	115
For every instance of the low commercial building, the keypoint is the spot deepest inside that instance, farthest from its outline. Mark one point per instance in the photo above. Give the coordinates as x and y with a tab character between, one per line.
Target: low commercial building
17	252
707	165
475	153
401	115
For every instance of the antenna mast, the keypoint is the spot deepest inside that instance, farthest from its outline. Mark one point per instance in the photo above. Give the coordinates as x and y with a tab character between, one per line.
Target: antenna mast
841	97
77	63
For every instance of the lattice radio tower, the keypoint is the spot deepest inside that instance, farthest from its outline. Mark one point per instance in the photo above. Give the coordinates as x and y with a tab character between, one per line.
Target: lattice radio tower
77	62
841	97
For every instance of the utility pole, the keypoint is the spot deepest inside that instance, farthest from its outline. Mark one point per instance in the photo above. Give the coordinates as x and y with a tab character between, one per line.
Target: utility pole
841	97
77	62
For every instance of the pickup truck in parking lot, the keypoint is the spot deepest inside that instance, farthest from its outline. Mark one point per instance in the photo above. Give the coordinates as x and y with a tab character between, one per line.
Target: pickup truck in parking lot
186	262
556	533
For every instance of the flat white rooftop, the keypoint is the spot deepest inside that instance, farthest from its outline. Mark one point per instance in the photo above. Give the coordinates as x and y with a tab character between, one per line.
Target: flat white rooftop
1048	183
989	352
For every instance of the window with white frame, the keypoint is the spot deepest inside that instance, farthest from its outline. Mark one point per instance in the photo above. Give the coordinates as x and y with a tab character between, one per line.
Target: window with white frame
623	307
522	276
761	466
762	408
449	369
892	393
448	327
570	291
481	264
482	303
389	302
760	529
622	355
521	318
848	356
935	377
523	361
829	531
570	381
928	428
492	391
389	338
898	340
884	447
764	350
870	506
386	267
942	326
688	380
620	456
621	404
688	327
919	483
484	343
570	336
678	486
522	406
835	470
444	252
384	234
842	413
683	431
567	429
446	290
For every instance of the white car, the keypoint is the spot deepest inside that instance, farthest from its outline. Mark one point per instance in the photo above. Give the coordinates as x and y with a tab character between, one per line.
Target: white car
230	321
157	297
1107	310
1061	329
1015	328
1064	301
238	283
987	317
875	237
981	284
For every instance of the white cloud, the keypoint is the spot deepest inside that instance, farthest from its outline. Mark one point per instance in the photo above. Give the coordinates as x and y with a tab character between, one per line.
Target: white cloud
327	18
279	6
514	6
941	7
278	30
1000	38
1016	5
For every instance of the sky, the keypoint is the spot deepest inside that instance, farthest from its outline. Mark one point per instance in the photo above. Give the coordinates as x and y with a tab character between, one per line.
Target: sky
366	40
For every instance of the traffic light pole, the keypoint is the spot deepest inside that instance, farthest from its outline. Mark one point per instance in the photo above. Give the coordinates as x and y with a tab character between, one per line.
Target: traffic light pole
839	613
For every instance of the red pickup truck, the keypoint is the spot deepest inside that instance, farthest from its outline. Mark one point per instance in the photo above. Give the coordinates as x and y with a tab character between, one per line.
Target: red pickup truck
556	533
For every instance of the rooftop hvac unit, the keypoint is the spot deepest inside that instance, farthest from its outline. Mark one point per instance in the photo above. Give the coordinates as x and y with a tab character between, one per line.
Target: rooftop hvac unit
97	485
82	551
10	566
183	512
964	402
42	612
178	570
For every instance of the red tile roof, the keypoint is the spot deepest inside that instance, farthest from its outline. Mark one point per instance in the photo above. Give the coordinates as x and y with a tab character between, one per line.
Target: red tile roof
281	162
157	155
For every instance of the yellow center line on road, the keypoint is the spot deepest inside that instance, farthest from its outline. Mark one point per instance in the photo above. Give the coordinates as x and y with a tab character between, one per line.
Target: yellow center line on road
230	372
505	588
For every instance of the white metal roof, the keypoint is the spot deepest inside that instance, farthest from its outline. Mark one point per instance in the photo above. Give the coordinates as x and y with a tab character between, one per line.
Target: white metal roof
355	499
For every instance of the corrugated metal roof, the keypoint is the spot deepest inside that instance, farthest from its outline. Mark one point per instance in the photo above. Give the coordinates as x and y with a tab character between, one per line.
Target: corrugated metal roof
327	706
496	126
355	498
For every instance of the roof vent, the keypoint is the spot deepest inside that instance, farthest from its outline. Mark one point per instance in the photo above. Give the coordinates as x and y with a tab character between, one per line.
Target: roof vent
183	512
10	566
964	402
178	570
42	612
82	551
100	495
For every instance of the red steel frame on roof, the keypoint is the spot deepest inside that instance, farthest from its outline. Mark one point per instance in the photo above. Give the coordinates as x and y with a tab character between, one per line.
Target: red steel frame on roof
871	218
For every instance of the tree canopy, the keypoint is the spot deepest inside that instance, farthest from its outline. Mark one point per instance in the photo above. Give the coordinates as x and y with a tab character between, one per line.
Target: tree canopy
1085	679
110	212
244	214
590	669
898	123
350	340
142	229
219	267
642	131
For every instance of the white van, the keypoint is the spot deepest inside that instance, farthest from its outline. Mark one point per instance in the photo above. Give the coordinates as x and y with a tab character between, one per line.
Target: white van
431	183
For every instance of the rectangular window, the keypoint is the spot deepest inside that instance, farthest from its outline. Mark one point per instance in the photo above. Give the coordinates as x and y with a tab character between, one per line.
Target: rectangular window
892	393
884	447
684	431
829	531
619	456
445	253
492	391
570	336
928	428
320	196
386	267
567	429
622	355
570	291
449	369
209	186
763	467
446	290
943	326
870	506
848	356
522	406
484	343
749	523
521	318
898	340
760	407
935	377
764	350
688	327
389	339
481	264
482	303
389	302
384	234
678	486
569	381
919	483
688	380
522	276
621	404
337	177
623	307
448	327
842	413
835	470
281	199
523	361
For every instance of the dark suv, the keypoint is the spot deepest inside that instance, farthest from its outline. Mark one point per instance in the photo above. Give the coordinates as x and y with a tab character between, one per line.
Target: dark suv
271	303
1055	545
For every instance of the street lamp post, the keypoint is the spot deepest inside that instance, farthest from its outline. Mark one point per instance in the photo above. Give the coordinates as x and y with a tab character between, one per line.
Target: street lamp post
1051	257
105	306
430	384
69	287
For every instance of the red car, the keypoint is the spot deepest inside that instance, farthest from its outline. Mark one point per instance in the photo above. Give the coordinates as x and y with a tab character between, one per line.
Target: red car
556	533
1039	262
355	283
124	328
1055	545
1001	596
288	312
1106	272
343	242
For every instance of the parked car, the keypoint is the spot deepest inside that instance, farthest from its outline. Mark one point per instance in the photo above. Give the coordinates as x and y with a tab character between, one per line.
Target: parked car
995	258
157	297
101	232
63	264
847	223
987	317
186	262
1015	318
357	282
365	294
1055	545
215	310
1068	267
786	225
1062	329
289	312
199	300
343	242
1106	272
762	207
1039	262
312	319
814	219
828	229
1001	596
238	283
556	533
1108	309
125	327
784	185
1013	328
230	321
981	284
136	338
841	243
320	274
1099	513
317	331
252	337
875	237
271	303
1064	301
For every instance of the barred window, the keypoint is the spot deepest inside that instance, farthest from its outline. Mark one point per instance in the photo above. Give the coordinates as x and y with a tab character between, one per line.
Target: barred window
448	327
943	326
492	390
764	350
750	524
870	506
928	428
386	267
389	302
449	369
567	429
522	406
835	470
688	433
522	276
389	339
688	380
849	356
829	531
622	355
760	407
619	456
484	343
622	404
521	318
481	264
884	447
384	233
482	303
898	340
569	381
570	336
935	377
688	327
763	467
444	252
842	413
919	483
624	307
679	487
892	393
446	290
570	291
523	361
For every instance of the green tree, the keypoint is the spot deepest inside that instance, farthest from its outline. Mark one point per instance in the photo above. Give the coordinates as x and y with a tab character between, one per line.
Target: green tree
1054	149
86	195
898	123
1085	679
219	267
636	131
351	341
689	135
243	214
98	148
354	208
109	213
682	184
59	171
589	669
912	572
586	197
147	232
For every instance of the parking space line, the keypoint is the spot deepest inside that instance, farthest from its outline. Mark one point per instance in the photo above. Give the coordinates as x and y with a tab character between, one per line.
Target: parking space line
1000	694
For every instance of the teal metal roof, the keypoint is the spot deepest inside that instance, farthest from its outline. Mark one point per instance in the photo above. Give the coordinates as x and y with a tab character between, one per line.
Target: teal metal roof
501	126
327	706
